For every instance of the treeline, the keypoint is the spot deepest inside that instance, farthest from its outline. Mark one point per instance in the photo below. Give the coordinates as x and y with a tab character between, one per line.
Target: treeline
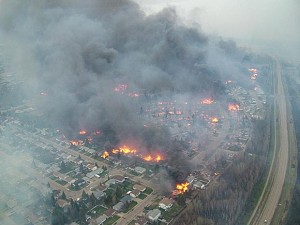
293	214
226	198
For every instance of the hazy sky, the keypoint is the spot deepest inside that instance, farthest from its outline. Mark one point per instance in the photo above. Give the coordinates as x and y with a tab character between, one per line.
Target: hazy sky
271	20
261	19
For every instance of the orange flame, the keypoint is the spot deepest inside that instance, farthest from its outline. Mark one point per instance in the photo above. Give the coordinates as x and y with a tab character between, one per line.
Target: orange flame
233	107
125	150
105	155
215	120
130	151
158	158
150	158
182	188
76	142
207	101
82	132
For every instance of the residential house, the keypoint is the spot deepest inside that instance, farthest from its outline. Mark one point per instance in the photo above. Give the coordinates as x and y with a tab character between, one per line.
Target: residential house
166	203
119	206
99	194
190	179
101	219
141	188
199	184
140	170
135	193
126	199
154	214
119	178
141	221
63	204
92	167
110	212
110	182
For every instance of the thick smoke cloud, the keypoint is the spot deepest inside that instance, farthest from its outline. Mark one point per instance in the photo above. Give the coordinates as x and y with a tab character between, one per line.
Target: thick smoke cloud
77	52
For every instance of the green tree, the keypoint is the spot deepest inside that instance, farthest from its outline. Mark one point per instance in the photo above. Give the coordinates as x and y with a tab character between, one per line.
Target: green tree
81	168
84	195
119	192
93	199
108	198
63	196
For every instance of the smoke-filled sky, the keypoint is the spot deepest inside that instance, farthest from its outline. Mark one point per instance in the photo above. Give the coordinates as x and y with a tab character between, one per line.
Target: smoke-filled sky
77	51
275	21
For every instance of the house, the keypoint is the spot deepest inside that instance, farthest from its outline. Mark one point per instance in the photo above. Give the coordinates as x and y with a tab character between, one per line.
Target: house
101	219
140	170
110	212
63	204
70	180
126	199
79	182
119	206
110	182
100	187
119	178
141	221
199	184
166	203
95	172
135	193
92	167
190	179
99	194
154	214
56	194
139	187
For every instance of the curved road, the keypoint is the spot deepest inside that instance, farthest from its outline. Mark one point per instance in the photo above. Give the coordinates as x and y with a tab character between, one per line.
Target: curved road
269	199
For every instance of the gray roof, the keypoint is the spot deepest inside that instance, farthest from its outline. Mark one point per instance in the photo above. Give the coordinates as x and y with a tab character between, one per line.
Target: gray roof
99	194
101	219
126	198
154	213
118	206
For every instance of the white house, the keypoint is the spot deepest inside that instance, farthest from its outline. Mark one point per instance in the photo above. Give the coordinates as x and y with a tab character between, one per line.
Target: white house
166	203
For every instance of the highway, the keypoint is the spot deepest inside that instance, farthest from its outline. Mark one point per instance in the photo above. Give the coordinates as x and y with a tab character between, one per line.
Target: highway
269	200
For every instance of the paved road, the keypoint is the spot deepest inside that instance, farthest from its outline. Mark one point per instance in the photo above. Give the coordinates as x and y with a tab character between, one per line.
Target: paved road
137	210
269	200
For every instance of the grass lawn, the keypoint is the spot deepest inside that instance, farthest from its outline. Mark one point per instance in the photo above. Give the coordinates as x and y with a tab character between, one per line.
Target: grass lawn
73	188
111	220
127	186
134	173
96	211
172	212
148	191
130	206
53	177
142	196
87	153
68	167
61	182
